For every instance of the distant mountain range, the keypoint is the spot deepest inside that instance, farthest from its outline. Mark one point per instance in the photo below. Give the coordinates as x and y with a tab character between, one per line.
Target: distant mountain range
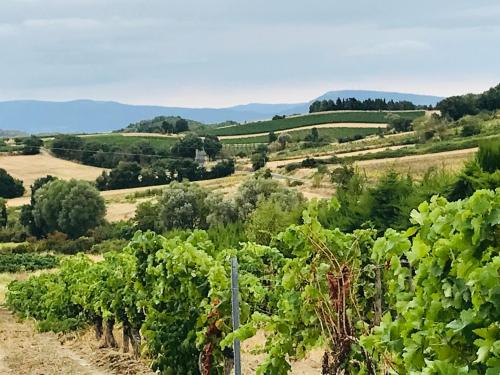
91	116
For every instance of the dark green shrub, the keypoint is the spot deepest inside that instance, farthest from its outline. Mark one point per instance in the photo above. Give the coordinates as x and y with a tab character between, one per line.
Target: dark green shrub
10	187
469	130
488	156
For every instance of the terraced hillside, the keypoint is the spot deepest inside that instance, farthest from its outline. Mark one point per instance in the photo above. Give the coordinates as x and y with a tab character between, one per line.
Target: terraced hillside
375	117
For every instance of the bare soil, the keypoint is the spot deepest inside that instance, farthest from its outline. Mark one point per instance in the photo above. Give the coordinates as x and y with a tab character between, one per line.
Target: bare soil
25	352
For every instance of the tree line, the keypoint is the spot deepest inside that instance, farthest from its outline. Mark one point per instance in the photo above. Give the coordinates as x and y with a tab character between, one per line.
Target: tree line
160	125
108	155
456	107
353	104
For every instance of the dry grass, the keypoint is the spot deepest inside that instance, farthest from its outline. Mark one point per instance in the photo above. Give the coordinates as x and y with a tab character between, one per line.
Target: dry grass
30	167
278	163
417	165
120	207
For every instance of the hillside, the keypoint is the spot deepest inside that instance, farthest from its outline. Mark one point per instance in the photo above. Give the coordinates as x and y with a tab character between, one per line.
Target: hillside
293	122
98	116
155	125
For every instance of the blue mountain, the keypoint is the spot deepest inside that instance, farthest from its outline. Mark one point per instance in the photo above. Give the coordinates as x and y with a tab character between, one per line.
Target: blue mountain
91	116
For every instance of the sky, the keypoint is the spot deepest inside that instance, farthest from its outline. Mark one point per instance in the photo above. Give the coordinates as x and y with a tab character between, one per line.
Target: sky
216	53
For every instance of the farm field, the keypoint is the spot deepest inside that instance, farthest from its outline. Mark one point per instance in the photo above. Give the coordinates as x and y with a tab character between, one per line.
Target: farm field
418	165
30	167
279	163
375	117
126	139
330	131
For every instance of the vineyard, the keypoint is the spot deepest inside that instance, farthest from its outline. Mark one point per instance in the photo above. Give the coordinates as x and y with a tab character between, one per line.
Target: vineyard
426	300
377	117
327	134
26	262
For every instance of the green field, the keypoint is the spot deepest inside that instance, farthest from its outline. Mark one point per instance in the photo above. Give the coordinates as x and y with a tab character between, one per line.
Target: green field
121	140
329	135
307	120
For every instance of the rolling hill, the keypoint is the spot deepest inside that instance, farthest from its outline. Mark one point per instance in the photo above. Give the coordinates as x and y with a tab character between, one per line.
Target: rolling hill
98	116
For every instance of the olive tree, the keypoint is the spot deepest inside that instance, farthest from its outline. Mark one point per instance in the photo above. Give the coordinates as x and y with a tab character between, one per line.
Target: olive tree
71	207
183	206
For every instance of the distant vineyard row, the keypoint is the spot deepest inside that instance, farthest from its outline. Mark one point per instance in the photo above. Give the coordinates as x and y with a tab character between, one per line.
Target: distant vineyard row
316	119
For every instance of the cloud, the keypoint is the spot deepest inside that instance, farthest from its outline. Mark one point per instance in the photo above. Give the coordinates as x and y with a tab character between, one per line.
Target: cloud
170	51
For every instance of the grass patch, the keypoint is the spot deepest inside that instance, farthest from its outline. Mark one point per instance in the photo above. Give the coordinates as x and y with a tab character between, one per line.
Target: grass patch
374	117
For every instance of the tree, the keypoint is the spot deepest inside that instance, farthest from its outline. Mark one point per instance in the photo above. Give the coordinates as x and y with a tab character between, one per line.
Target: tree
398	123
125	175
32	145
146	217
270	217
221	169
71	207
181	169
26	217
283	139
488	156
469	130
457	107
258	160
181	125
68	147
259	157
272	137
82	209
3	213
428	127
183	206
10	187
167	127
490	100
314	135
222	211
212	146
187	146
259	188
388	202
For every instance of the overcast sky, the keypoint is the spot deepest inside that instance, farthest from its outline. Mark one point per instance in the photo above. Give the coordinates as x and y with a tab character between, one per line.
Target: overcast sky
225	52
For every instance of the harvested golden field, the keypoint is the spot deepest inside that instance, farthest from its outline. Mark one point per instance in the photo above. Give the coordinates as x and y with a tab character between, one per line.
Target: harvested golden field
418	165
30	167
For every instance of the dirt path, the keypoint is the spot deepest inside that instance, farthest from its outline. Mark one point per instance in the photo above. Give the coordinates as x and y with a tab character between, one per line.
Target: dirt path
24	352
357	125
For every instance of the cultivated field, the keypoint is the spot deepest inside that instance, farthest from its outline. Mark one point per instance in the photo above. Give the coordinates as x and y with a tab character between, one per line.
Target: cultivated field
373	117
418	165
30	167
336	129
157	141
